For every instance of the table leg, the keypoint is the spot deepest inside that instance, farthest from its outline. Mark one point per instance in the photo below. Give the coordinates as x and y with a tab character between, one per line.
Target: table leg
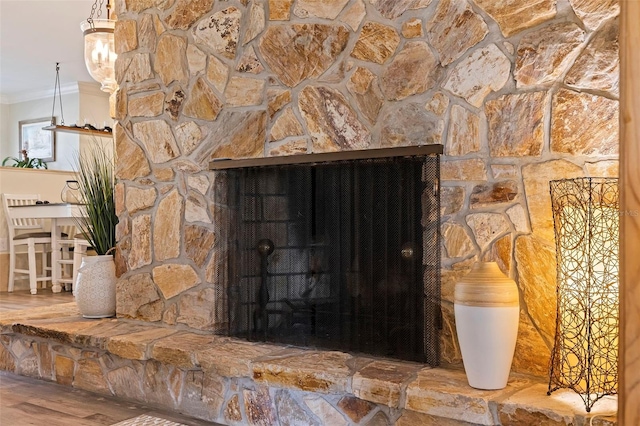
55	256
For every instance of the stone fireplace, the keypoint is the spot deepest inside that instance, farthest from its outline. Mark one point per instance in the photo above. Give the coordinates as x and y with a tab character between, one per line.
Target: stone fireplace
518	95
335	251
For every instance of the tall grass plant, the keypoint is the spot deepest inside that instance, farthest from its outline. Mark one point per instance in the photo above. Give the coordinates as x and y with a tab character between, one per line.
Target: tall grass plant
96	182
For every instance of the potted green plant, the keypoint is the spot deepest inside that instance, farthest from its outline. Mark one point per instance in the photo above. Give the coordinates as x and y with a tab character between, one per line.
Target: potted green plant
26	162
95	287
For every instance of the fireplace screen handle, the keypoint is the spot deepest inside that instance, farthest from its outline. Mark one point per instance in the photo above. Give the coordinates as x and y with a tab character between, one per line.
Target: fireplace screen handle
261	317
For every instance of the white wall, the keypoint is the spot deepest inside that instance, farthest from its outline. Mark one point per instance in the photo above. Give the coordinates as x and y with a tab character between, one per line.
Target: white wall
66	144
84	101
94	107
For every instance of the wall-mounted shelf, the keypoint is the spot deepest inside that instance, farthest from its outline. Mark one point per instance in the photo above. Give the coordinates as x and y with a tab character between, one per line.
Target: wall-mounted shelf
79	130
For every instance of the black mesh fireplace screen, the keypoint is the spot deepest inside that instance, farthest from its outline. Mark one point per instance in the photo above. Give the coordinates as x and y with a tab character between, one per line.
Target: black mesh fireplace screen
342	255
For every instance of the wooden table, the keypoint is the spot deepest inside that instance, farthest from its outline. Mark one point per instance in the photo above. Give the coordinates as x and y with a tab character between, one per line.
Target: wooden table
60	214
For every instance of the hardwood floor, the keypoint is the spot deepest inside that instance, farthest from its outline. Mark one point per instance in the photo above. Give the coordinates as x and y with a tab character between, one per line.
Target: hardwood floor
26	401
22	299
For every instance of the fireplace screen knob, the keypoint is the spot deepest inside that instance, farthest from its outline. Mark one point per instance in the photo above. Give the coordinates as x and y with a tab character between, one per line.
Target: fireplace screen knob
265	247
407	251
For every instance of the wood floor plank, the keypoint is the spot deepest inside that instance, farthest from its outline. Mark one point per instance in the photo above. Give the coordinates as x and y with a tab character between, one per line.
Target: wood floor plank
22	299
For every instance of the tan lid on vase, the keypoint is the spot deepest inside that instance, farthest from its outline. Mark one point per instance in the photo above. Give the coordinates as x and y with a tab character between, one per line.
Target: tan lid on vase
486	286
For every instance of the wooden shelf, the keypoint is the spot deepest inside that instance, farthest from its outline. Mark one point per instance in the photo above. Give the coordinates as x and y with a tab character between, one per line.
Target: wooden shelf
79	130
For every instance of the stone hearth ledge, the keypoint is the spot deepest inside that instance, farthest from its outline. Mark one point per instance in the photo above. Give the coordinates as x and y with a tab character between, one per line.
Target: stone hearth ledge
57	344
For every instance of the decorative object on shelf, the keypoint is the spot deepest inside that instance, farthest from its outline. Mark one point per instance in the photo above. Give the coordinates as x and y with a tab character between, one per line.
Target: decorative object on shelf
25	161
486	311
86	129
35	140
71	192
99	47
95	291
586	223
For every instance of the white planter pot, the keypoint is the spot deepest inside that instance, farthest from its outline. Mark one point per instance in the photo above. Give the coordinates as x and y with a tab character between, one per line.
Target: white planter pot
95	288
487	314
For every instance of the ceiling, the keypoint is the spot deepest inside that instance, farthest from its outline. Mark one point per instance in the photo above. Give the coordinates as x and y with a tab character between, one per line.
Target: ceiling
34	35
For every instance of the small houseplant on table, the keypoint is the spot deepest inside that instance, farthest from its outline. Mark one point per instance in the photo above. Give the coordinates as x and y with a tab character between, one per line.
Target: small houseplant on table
95	289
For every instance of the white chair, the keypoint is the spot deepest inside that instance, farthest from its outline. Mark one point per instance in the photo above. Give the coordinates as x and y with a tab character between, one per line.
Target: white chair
27	233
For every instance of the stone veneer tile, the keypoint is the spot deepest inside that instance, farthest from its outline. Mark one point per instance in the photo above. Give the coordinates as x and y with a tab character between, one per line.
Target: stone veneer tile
457	242
446	393
258	406
328	9
545	54
411	418
89	376
179	349
584	124
135	345
356	409
58	330
516	124
382	381
598	66
472	169
409	124
536	179
323	372
280	10
485	70
514	16
173	279
532	406
605	168
454	28
322	45
232	359
325	411
354	14
376	43
451	199
63	367
536	266
220	31
98	335
594	12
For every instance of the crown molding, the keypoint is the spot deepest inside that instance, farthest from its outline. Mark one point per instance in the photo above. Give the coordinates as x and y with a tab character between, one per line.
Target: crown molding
65	89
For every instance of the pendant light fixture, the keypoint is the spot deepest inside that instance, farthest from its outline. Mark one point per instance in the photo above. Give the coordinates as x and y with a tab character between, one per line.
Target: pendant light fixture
99	48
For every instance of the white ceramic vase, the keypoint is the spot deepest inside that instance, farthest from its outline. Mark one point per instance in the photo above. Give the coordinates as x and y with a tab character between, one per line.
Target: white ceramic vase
95	288
487	314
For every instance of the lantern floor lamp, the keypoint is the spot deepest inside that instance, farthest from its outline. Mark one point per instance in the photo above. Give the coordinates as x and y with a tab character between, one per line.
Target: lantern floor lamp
586	226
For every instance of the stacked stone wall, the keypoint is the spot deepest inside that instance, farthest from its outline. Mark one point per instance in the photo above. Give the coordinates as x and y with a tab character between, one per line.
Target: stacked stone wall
518	92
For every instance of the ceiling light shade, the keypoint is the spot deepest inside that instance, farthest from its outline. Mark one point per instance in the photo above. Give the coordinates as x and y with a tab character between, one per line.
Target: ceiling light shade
99	51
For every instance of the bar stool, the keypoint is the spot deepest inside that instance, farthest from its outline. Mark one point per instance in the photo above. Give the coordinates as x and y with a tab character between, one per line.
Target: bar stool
35	239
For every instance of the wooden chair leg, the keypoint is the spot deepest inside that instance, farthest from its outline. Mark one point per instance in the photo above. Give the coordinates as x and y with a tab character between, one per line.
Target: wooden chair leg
12	267
45	264
33	273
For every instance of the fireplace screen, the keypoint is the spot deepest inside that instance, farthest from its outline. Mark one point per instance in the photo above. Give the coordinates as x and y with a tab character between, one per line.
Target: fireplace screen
341	255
